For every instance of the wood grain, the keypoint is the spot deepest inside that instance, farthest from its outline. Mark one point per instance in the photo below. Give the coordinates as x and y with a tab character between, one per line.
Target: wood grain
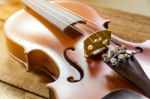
9	92
132	27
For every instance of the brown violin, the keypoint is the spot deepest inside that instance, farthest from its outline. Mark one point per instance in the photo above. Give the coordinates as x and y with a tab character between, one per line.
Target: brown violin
70	42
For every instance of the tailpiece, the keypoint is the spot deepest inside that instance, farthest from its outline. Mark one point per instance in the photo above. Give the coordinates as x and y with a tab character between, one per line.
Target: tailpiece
124	62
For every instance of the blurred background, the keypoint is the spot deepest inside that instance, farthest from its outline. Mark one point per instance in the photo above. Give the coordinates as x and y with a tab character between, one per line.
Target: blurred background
133	6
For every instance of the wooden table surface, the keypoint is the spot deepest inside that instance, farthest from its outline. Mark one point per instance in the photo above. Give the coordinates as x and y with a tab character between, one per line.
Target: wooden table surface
16	83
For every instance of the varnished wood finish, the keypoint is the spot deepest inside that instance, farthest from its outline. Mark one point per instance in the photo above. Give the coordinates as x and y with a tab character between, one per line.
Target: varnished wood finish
97	81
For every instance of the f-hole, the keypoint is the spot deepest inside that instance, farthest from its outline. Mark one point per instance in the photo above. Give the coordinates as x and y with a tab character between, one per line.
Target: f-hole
78	68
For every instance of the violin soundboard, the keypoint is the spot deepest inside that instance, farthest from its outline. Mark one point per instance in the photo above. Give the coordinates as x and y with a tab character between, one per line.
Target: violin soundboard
16	83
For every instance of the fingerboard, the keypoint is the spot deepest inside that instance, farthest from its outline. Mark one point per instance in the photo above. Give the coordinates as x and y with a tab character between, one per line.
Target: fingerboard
55	14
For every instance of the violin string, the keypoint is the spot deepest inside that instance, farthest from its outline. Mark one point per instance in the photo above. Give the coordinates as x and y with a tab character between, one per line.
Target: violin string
67	17
64	21
82	26
38	5
35	4
77	23
67	13
70	13
89	21
72	19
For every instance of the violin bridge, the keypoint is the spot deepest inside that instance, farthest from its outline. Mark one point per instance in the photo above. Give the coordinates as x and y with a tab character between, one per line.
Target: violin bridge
97	43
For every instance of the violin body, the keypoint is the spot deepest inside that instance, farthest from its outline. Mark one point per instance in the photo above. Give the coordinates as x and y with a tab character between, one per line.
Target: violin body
39	45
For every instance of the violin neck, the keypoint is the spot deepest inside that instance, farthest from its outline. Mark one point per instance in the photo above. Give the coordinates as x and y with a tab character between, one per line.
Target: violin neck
55	14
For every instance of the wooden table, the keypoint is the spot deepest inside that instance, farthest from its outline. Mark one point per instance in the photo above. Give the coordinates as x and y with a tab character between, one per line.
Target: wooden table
16	83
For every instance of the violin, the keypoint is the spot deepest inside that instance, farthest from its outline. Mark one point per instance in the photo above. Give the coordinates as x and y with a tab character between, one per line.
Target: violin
70	42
